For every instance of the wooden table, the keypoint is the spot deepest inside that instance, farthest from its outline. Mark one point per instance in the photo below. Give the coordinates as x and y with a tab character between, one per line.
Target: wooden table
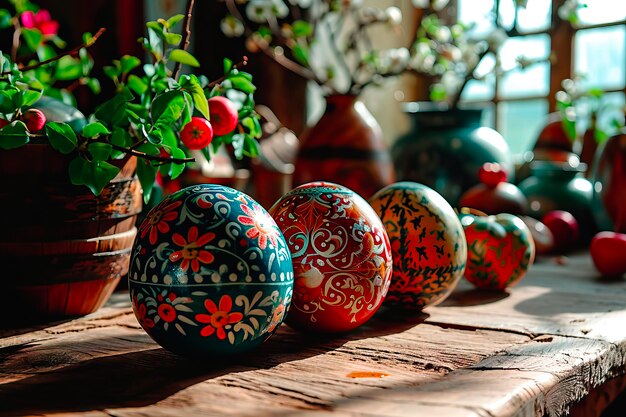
534	351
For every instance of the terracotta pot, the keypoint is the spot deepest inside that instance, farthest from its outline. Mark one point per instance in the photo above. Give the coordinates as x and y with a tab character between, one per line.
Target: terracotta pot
346	147
62	248
609	184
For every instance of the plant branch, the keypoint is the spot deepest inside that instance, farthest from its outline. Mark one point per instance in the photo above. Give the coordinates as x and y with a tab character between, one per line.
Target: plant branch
468	77
280	59
186	34
66	53
143	155
341	59
16	38
238	65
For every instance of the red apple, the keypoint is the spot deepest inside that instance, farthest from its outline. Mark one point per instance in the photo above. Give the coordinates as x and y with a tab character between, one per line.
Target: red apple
224	116
564	228
34	120
197	134
607	251
491	174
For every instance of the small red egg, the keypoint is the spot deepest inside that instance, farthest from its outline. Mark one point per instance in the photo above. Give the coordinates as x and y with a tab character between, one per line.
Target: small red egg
341	256
564	228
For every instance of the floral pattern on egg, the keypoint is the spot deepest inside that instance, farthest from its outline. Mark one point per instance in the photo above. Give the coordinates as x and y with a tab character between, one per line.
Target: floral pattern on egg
210	272
341	256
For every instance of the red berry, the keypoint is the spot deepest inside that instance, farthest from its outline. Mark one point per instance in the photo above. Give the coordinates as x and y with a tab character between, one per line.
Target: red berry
197	134
491	174
224	116
3	123
34	119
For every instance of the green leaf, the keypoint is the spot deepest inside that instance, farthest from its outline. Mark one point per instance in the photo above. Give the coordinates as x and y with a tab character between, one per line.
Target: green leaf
136	84
173	170
13	135
61	137
302	29
6	100
94	85
97	174
76	168
228	64
184	57
5	19
112	72
173	38
68	68
251	147
32	37
242	83
193	86
174	20
168	107
95	129
113	111
146	174
29	97
45	52
129	63
100	151
119	137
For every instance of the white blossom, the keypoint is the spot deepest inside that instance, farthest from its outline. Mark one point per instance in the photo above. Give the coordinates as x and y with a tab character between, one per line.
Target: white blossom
305	4
260	11
421	4
394	60
439	4
443	34
231	26
394	15
568	9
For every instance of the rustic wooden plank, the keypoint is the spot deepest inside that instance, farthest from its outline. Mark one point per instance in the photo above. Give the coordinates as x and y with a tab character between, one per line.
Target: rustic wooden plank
107	361
553	299
529	353
599	399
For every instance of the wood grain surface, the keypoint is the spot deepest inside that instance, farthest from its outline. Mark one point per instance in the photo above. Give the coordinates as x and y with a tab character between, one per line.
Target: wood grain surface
533	351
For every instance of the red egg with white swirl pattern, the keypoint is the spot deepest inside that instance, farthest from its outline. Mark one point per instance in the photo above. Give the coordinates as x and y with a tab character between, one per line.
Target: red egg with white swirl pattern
341	256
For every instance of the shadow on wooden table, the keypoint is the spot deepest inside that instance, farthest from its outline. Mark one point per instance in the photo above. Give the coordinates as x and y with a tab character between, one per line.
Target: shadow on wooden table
69	377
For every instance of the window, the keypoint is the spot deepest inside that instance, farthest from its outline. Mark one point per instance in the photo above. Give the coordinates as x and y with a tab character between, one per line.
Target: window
519	100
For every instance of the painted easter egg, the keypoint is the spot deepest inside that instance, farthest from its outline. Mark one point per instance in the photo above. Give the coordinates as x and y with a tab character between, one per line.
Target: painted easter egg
500	250
427	243
341	256
210	272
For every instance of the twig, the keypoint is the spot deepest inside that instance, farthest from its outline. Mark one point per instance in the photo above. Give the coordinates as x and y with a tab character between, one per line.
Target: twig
66	53
468	77
16	38
238	65
341	59
186	34
143	155
282	60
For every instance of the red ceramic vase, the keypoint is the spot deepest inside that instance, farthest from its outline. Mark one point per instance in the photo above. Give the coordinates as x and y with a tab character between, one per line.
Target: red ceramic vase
609	183
346	146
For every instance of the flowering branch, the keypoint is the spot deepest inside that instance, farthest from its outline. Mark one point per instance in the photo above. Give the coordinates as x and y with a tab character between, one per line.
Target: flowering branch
72	51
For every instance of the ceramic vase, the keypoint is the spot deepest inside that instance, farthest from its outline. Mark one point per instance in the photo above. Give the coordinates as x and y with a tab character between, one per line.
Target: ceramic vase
445	149
346	147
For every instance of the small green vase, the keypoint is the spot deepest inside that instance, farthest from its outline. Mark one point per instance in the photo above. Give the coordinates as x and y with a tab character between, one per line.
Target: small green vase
560	186
445	149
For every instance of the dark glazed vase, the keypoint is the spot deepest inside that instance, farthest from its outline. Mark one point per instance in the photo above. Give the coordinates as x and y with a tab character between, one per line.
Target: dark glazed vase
560	186
346	147
445	149
609	184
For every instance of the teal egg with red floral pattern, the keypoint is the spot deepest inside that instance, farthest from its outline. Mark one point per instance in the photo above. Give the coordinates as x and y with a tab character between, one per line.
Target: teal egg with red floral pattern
210	272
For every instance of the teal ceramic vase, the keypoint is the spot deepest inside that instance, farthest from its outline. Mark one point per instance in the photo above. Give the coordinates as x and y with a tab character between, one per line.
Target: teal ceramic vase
211	273
560	186
446	148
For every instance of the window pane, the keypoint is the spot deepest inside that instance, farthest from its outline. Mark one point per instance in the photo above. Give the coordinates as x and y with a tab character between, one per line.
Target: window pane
599	56
612	108
535	16
520	122
602	11
533	80
476	12
485	88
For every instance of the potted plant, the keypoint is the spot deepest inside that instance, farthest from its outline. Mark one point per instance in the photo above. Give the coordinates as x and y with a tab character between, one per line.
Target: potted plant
73	184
